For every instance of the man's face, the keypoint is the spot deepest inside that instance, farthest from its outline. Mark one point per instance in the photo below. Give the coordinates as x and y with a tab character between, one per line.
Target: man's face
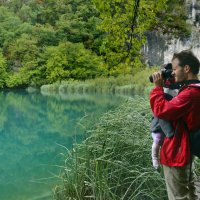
178	71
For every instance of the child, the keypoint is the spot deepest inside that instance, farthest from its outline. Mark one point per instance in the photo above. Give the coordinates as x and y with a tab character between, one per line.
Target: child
161	128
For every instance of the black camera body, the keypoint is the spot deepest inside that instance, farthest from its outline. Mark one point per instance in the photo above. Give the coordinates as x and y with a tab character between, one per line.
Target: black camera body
166	72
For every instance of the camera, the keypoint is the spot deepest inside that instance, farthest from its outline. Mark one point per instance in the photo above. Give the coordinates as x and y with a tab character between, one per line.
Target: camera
166	72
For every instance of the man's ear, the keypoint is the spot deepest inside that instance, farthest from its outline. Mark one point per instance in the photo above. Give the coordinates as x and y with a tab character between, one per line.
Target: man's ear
187	68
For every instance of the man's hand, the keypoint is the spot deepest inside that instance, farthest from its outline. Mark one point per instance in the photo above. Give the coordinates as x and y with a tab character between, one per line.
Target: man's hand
157	79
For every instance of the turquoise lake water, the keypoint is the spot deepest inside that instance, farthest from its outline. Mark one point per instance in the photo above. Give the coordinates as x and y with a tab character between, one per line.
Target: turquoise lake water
34	131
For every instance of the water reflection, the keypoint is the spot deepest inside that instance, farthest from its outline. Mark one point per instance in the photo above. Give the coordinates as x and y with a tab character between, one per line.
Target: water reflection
32	130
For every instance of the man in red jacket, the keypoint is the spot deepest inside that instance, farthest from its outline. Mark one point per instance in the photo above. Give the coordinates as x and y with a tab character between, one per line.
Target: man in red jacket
175	151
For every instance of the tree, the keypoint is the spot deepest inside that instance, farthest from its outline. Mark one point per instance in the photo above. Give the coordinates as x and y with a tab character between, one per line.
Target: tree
3	70
126	22
56	64
70	61
23	54
78	24
45	34
9	25
47	40
26	14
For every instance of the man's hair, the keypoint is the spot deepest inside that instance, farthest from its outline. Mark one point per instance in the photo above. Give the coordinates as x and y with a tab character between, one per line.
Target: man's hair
186	57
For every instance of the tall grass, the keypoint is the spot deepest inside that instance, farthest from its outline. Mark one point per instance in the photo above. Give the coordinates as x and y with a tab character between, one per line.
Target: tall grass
114	160
124	84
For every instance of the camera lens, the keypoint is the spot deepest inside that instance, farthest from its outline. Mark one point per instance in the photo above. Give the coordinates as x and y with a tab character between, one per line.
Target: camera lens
151	79
166	72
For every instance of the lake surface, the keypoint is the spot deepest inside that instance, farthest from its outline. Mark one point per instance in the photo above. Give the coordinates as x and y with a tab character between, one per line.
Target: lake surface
35	131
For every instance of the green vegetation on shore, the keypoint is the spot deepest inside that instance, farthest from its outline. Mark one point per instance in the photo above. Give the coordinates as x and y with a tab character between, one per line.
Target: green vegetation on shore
123	84
114	162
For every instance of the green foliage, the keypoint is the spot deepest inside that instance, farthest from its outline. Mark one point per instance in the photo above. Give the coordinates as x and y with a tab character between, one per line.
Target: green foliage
123	84
68	60
45	34
56	62
48	41
23	53
124	37
32	30
3	70
10	24
172	19
21	47
78	24
17	80
114	161
26	14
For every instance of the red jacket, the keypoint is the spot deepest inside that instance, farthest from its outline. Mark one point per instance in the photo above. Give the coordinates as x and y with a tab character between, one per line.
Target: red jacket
186	105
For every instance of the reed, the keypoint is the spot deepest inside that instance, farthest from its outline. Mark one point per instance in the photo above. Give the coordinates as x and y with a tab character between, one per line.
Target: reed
114	162
123	84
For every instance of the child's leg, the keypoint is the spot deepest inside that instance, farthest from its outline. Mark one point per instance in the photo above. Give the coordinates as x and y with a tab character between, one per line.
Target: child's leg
155	155
155	151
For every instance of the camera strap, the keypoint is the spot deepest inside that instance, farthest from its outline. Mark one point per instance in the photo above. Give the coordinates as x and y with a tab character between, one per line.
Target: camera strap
180	85
188	82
